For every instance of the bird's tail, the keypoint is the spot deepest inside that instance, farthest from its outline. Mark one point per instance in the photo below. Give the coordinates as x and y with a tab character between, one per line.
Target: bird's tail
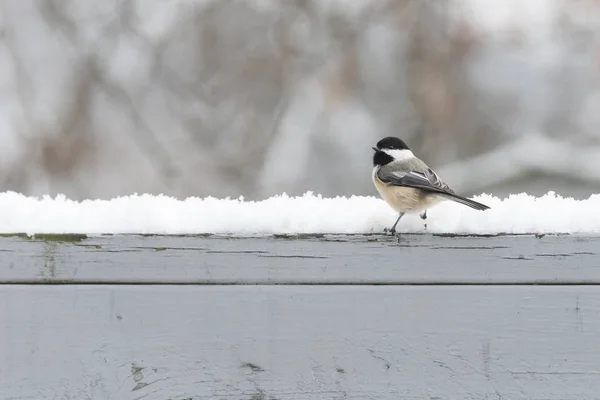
465	201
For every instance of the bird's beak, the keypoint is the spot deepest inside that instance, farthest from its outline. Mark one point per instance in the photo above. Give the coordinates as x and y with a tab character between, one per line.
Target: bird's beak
375	148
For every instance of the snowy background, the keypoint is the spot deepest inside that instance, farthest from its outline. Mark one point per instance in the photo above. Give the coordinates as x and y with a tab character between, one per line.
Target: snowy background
258	97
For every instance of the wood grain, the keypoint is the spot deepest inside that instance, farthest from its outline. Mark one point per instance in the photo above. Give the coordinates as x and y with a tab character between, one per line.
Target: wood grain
310	317
299	342
323	259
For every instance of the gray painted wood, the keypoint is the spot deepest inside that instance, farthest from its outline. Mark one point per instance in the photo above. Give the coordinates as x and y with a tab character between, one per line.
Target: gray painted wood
417	259
299	342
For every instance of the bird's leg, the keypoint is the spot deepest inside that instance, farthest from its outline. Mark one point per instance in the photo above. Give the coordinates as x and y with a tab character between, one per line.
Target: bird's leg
393	230
423	215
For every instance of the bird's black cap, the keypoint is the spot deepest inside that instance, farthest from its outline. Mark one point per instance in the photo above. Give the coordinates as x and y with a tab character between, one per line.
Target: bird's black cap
392	143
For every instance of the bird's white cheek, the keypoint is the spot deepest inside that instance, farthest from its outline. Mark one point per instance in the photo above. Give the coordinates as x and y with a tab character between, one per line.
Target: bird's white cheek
399	155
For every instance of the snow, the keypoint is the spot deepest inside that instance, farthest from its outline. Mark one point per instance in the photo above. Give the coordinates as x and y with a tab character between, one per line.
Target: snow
310	213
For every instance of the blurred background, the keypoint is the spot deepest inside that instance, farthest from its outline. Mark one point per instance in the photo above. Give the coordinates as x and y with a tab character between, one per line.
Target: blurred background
259	97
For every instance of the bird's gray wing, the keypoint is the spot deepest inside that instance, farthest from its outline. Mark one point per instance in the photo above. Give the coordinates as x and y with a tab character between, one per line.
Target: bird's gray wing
419	176
425	180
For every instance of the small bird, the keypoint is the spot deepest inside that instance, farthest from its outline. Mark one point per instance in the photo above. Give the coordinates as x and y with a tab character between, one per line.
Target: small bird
407	184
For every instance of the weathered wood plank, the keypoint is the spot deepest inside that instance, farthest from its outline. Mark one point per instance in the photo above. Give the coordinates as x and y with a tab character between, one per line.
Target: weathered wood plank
418	259
299	342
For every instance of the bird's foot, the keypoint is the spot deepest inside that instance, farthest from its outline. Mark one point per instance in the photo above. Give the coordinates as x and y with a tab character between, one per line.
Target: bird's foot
423	215
390	231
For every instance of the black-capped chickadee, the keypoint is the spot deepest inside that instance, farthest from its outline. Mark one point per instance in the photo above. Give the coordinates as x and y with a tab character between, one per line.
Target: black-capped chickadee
406	183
